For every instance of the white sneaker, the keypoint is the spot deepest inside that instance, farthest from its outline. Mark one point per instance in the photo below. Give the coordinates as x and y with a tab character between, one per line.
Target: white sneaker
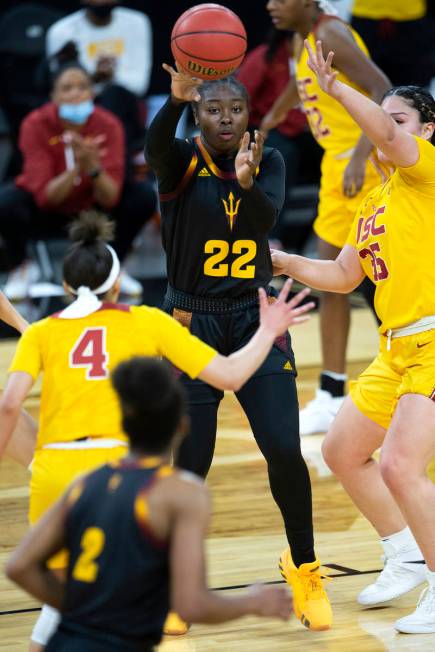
397	577
422	621
20	279
319	413
130	285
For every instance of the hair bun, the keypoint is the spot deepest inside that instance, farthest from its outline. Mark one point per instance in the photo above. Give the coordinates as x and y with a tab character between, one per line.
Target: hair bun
91	227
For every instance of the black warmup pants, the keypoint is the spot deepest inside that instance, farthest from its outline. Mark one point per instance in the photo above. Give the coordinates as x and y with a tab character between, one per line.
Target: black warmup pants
269	400
21	220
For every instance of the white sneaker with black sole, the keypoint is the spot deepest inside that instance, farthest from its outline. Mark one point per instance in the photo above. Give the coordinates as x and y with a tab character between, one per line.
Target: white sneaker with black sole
422	621
318	414
403	571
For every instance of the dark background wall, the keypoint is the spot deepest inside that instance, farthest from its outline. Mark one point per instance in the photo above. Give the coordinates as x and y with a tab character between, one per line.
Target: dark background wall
163	15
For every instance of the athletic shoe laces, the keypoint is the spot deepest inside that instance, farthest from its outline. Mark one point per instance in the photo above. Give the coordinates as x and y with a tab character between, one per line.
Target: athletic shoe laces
313	584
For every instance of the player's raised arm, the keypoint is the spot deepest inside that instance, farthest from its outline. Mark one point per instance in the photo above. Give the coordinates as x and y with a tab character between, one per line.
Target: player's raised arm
379	126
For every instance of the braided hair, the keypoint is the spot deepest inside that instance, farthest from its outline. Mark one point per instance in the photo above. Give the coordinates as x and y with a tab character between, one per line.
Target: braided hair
418	98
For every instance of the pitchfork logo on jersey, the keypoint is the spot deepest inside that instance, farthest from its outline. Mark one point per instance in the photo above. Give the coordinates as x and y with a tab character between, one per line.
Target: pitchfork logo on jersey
231	209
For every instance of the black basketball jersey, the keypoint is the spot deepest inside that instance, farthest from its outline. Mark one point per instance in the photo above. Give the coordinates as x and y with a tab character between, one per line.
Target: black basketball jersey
118	577
215	233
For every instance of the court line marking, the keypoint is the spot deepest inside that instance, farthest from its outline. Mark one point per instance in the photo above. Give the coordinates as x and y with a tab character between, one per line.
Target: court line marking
346	572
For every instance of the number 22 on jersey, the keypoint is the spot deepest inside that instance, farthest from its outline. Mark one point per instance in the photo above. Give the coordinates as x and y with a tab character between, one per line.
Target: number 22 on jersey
215	265
90	352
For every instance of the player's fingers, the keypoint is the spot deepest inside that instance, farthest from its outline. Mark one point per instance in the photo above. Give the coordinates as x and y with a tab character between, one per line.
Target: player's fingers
301	320
282	296
259	138
300	296
300	310
262	298
328	62
169	69
309	49
244	143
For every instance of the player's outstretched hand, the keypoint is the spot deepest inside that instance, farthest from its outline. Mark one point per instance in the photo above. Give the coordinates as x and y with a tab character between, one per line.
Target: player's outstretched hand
248	158
279	315
280	261
322	68
184	87
271	601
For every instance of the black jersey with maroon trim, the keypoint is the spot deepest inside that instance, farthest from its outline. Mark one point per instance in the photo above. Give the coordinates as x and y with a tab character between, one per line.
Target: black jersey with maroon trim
118	574
215	233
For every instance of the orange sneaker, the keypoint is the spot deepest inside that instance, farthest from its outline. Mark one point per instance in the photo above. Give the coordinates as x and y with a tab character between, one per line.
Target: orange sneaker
310	601
174	626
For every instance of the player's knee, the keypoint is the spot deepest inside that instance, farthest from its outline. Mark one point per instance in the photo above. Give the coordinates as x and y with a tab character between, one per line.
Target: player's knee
46	625
394	469
333	456
284	455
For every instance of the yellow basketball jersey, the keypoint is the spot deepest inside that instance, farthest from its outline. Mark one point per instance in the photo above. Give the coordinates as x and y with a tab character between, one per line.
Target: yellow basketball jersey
392	9
330	124
394	233
77	356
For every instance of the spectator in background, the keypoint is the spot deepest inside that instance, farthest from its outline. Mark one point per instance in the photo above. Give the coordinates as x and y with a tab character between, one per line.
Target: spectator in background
74	160
399	37
114	44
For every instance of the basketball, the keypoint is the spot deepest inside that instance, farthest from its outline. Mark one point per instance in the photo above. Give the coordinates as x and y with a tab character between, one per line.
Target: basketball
209	41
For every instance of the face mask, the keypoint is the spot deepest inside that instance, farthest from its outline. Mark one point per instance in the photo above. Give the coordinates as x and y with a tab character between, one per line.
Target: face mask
100	11
76	113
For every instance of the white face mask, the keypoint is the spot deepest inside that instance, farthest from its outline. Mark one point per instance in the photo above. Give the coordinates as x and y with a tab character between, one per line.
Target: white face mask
76	113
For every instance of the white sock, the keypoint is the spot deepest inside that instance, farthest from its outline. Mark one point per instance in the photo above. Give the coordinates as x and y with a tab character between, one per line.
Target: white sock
430	578
334	375
404	544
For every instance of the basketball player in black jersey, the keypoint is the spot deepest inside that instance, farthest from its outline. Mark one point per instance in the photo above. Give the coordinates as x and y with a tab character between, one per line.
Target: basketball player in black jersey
134	531
219	196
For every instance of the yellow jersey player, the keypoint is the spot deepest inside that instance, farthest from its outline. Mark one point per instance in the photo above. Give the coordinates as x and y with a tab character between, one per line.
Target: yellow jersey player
348	171
392	405
75	349
134	530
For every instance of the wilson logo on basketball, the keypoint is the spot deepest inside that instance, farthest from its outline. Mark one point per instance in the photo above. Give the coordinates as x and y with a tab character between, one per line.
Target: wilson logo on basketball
196	67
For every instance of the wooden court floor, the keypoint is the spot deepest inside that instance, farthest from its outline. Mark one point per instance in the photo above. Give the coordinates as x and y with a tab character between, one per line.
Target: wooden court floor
244	544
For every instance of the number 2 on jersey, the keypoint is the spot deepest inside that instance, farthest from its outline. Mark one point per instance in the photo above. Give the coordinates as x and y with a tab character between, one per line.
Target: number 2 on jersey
215	265
90	352
92	544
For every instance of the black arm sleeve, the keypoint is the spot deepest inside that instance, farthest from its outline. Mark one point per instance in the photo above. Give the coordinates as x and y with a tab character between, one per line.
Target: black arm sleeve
167	155
264	200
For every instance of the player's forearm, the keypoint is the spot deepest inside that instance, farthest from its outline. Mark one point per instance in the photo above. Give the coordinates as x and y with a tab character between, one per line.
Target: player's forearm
11	316
9	415
376	124
260	209
37	580
327	275
243	363
212	608
161	132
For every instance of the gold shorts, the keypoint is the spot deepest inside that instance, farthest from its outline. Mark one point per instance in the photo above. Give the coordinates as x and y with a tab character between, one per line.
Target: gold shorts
336	212
408	368
53	470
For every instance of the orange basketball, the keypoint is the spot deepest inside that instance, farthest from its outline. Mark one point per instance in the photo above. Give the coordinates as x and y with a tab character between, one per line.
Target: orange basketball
209	41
